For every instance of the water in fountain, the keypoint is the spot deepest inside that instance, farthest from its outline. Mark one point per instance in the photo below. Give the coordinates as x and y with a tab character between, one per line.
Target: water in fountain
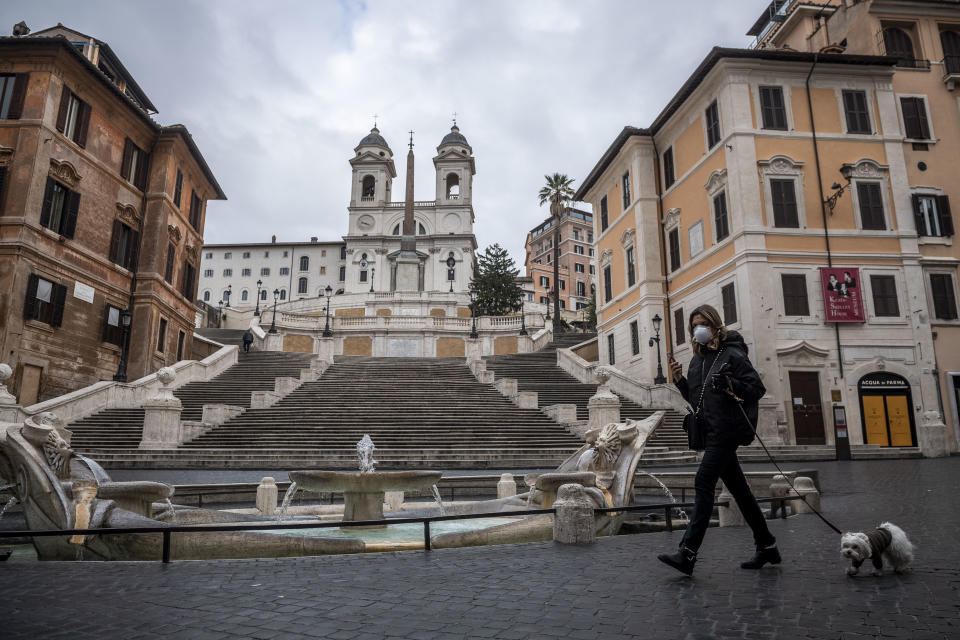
436	496
365	455
683	514
171	510
12	501
286	501
99	475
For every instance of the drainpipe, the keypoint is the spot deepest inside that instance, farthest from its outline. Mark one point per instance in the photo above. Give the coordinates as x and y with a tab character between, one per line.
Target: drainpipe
823	205
668	320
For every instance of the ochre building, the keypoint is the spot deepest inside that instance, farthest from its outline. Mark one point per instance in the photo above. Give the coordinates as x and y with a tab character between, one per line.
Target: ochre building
101	219
803	188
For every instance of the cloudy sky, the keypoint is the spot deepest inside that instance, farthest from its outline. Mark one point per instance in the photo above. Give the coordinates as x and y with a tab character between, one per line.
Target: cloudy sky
277	94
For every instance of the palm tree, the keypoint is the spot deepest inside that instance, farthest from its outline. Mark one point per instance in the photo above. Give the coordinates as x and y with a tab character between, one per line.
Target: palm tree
558	191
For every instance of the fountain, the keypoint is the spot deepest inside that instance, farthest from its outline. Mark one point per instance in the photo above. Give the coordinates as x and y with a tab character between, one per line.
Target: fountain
363	491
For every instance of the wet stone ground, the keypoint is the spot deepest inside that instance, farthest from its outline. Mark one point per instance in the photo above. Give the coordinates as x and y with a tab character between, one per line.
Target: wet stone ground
613	589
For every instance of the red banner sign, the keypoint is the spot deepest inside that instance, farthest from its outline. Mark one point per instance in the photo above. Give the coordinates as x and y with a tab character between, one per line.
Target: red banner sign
842	295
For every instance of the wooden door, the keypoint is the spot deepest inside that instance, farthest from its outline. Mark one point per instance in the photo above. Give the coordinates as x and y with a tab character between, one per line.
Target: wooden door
898	418
807	409
30	385
875	420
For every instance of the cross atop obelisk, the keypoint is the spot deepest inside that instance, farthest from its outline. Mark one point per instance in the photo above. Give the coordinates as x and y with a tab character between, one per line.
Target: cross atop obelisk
408	239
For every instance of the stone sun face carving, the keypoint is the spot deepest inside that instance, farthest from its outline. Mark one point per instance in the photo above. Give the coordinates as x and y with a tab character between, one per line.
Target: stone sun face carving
608	447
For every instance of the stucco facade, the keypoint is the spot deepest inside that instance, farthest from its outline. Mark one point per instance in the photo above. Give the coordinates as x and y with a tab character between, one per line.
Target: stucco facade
577	260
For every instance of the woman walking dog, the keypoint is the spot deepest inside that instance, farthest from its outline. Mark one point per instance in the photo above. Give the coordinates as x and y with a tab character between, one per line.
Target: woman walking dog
720	375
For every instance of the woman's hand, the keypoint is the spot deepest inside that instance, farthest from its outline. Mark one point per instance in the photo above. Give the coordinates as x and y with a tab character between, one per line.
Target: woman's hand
676	369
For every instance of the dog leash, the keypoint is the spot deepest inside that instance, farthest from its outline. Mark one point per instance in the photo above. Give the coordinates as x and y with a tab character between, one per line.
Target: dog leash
773	460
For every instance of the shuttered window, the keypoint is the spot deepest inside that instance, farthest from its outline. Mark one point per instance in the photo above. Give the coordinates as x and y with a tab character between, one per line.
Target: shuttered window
111	325
188	281
634	337
857	114
611	352
133	169
932	215
604	215
720	221
44	301
668	171
679	333
625	182
795	295
13	89
60	209
168	270
713	125
73	117
607	285
631	268
944	300
302	285
124	244
772	109
871	206
162	336
784	200
674	238
915	122
728	295
884	290
195	206
3	184
178	188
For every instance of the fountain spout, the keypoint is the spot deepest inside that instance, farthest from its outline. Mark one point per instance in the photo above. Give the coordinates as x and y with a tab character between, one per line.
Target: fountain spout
365	459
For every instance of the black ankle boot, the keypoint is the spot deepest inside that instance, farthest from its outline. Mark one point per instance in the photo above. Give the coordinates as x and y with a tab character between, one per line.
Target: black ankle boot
683	560
762	557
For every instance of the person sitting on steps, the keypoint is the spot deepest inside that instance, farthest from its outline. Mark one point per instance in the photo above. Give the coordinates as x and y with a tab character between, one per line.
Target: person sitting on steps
720	376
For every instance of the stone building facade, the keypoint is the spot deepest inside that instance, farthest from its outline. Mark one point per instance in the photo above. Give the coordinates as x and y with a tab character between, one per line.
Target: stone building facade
769	172
576	260
101	218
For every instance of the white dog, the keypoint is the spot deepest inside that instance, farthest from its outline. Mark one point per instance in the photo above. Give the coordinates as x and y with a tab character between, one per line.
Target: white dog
887	543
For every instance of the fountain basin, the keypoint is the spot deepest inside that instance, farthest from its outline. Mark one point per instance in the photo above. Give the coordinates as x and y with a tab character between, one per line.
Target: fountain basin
363	492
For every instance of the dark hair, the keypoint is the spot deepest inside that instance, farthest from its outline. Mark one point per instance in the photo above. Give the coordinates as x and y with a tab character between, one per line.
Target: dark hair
712	316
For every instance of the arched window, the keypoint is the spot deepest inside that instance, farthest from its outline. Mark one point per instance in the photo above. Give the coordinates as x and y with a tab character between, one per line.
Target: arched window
206	296
369	187
226	296
302	286
283	294
244	295
421	230
899	45
453	186
396	230
304	263
263	294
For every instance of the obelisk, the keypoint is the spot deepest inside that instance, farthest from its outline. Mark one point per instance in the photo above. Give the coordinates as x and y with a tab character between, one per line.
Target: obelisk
408	262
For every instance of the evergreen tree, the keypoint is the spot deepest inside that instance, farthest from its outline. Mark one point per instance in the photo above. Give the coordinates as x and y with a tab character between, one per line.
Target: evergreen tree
591	315
495	280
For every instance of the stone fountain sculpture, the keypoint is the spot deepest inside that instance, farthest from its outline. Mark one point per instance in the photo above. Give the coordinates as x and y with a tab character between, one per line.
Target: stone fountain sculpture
363	491
59	489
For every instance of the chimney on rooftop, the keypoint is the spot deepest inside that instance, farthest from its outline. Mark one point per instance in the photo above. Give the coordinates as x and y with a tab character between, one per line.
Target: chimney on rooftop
313	239
273	240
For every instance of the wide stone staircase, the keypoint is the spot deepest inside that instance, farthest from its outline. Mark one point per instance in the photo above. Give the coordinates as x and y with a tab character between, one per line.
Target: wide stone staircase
539	372
223	336
113	429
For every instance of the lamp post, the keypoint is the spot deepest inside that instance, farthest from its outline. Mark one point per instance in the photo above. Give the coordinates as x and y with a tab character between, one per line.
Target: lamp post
451	265
660	379
229	293
523	316
256	312
273	323
837	192
219	313
121	375
373	272
326	329
473	311
549	300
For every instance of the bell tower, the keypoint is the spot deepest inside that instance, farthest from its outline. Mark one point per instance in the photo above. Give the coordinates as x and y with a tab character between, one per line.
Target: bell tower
373	171
455	169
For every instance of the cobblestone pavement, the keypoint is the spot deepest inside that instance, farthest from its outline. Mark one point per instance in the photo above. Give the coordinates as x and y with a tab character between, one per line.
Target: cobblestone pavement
613	589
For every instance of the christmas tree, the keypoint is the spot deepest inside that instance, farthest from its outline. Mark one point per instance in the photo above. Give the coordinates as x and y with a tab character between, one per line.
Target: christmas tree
495	280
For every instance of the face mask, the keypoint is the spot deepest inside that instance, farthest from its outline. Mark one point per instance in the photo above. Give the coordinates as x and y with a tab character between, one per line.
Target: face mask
702	334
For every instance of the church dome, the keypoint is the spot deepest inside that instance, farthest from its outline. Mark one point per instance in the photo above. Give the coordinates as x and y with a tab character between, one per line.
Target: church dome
374	138
454	137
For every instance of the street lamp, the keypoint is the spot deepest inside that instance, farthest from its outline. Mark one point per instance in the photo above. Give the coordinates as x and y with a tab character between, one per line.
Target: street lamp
256	312
549	298
660	379
229	293
451	265
125	317
523	316
219	313
326	329
373	272
273	323
473	311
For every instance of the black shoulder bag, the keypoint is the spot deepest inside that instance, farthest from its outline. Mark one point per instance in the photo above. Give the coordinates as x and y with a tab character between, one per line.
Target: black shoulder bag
692	422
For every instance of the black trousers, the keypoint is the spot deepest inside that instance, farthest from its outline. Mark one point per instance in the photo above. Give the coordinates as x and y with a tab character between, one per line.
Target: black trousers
246	346
720	463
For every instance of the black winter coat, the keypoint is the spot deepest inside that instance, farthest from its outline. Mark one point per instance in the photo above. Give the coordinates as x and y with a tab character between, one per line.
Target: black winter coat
725	426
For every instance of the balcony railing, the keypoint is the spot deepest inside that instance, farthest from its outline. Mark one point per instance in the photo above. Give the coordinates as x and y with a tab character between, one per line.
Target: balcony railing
913	63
